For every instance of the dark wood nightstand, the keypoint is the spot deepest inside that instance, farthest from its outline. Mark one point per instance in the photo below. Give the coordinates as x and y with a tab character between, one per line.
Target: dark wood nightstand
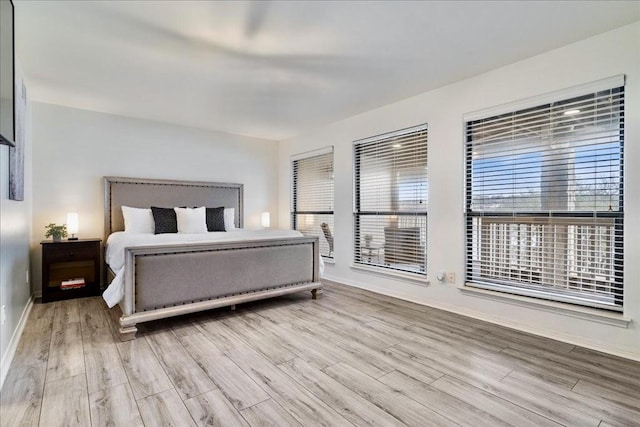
66	260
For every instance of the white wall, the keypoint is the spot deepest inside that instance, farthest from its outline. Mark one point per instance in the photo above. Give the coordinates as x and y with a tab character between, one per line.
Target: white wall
609	54
74	149
15	235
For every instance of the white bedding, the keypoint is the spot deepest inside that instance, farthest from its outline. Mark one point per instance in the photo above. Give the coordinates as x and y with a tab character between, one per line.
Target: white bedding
118	241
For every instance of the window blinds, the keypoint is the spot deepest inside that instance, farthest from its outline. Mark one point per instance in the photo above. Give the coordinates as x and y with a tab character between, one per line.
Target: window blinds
544	199
390	216
312	197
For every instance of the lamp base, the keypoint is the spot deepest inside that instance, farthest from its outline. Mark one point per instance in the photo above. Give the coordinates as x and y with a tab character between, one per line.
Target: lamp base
73	237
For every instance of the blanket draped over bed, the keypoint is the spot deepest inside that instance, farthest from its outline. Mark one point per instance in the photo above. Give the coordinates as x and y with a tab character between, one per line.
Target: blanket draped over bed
158	276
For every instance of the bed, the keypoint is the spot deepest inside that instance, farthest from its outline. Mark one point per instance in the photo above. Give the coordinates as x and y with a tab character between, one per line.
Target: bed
160	278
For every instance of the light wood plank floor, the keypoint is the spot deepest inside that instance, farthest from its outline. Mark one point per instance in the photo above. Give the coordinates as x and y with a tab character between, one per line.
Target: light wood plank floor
349	358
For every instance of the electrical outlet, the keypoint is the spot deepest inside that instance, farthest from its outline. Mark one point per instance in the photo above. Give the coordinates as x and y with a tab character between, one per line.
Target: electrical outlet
451	277
3	314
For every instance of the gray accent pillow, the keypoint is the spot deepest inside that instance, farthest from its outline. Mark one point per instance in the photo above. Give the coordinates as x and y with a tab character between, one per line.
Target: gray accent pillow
165	220
215	219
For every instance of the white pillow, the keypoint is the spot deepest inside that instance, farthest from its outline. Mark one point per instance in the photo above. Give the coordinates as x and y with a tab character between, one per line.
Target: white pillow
137	220
229	218
191	221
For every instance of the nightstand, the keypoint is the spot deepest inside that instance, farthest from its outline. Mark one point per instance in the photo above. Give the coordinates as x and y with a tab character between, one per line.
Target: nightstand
66	260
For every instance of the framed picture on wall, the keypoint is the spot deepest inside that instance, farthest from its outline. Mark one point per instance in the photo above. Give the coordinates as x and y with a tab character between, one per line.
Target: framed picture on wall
16	153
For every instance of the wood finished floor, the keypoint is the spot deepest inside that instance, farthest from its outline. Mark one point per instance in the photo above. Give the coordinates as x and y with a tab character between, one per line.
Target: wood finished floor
350	358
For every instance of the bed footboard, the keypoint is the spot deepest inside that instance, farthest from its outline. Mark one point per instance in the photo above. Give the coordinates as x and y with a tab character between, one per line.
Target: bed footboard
166	281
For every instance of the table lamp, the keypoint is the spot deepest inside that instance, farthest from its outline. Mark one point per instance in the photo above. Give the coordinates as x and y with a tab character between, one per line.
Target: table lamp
72	225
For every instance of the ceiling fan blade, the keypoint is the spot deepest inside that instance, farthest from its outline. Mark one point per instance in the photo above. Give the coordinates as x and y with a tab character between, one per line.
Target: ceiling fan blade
256	14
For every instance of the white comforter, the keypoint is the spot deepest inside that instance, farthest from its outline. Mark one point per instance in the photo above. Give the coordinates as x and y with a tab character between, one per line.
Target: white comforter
117	242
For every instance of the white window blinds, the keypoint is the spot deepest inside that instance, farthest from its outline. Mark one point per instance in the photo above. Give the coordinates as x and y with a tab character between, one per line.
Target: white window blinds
544	199
312	197
390	216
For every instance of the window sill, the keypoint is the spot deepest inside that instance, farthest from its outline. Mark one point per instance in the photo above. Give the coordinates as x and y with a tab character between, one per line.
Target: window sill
408	277
586	313
330	261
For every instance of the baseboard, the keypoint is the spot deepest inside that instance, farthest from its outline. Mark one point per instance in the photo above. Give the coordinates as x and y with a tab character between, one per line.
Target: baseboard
7	358
570	339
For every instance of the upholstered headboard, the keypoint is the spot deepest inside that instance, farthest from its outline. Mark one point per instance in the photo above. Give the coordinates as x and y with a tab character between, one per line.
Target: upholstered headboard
144	193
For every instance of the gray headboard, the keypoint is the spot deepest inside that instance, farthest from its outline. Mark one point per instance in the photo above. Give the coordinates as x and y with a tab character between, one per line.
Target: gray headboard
144	193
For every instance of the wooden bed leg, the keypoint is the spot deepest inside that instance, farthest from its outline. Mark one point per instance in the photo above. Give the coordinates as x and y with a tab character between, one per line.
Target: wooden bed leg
128	333
233	307
316	293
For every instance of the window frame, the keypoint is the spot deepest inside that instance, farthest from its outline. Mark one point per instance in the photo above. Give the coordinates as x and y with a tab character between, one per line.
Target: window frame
328	150
358	213
614	219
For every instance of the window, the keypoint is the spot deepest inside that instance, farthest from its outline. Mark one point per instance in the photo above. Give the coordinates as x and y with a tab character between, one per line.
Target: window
544	197
390	217
312	197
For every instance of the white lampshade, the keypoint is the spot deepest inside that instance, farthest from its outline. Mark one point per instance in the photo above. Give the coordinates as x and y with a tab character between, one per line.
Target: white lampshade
266	220
72	223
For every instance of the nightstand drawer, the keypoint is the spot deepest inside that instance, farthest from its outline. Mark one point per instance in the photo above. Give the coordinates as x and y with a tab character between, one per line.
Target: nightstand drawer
77	251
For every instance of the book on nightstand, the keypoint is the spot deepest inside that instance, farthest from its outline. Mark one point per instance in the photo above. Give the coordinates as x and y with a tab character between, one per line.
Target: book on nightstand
72	283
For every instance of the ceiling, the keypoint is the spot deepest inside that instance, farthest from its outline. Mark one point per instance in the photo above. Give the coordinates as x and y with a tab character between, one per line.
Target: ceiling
273	70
